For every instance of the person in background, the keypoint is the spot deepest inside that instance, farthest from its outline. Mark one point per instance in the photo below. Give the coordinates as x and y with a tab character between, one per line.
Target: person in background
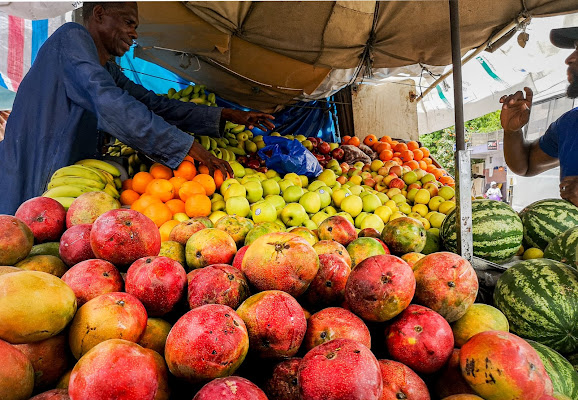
559	145
494	192
73	91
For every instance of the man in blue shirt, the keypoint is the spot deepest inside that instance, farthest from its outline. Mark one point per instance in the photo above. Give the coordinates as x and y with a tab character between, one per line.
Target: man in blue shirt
559	145
73	89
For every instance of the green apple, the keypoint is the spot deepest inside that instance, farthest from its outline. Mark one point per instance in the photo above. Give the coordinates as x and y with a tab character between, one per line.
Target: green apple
271	173
422	196
376	165
370	202
217	215
280	223
447	192
218	205
235	190
339	195
330	210
254	191
355	189
284	184
360	217
238	169
307	144
277	201
249	178
319	217
301	138
436	219
311	202
249	171
324	196
409	177
420	173
383	212
261	176
364	193
382	196
276	178
238	206
352	205
333	146
225	185
292	194
304	181
270	186
373	221
313	186
346	216
434	203
180	217
328	177
335	186
411	194
310	224
399	199
263	212
359	165
404	208
293	177
216	197
429	177
293	214
290	137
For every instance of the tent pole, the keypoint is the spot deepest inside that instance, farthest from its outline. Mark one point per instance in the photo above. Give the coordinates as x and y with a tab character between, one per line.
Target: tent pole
462	156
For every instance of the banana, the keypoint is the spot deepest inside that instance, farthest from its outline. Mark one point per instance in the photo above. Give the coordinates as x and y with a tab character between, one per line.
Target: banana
222	142
110	189
229	125
226	154
205	142
214	144
197	100
238	129
75	181
81	171
185	99
126	151
171	93
69	191
117	183
143	168
100	164
109	178
233	142
188	90
230	135
212	98
65	201
236	150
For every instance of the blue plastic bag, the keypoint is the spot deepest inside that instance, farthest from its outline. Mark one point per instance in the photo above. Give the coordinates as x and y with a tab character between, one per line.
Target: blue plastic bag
285	156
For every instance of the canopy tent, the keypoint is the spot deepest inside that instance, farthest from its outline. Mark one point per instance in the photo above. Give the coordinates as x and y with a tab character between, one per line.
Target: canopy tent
265	55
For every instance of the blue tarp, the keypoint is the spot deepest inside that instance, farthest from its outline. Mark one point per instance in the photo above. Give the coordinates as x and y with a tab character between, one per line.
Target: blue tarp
311	119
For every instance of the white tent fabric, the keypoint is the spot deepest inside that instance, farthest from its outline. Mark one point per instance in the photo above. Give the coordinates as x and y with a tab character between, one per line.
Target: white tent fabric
37	10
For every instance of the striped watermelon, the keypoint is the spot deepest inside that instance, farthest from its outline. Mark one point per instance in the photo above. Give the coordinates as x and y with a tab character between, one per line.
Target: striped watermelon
561	372
546	219
496	228
540	299
564	247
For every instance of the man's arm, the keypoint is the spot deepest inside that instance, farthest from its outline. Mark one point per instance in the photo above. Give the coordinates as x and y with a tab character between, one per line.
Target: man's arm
522	157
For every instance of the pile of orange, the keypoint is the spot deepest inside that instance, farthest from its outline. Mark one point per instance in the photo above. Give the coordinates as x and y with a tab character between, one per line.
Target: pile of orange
161	193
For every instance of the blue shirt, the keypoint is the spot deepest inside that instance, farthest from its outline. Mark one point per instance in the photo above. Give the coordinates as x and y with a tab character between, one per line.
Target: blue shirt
65	96
561	141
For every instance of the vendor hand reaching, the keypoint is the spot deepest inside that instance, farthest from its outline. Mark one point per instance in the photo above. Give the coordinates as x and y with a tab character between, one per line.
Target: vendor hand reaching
516	110
198	152
250	118
569	189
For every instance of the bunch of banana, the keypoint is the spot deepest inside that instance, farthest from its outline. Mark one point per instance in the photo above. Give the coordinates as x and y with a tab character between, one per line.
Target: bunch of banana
135	165
89	175
193	94
118	149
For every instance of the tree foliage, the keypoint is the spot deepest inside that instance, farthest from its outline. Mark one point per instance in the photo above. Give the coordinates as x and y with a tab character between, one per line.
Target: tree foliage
441	143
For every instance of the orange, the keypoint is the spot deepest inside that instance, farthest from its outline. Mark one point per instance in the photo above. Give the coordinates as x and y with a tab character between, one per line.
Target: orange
198	205
176	206
140	181
370	140
397	154
203	169
186	170
189	158
412	164
386	139
177	182
393	143
425	151
397	160
354	141
161	189
127	184
412	145
406	155
208	183
128	196
417	154
159	213
422	165
430	168
380	146
446	180
385	155
438	173
400	147
190	188
219	179
160	171
143	202
166	228
427	160
345	139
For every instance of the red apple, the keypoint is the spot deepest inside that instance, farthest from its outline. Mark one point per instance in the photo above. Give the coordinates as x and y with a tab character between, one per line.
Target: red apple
415	185
431	188
383	171
397	183
324	148
338	154
369	182
342	179
396	169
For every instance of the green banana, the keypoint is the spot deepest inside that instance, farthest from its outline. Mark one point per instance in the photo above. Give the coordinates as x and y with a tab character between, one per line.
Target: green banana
238	129
188	90
75	181
185	99
110	189
65	201
126	151
218	153
229	125
100	164
171	93
212	98
214	144
82	171
237	151
69	191
230	135
117	183
222	142
143	168
197	100
233	142
205	142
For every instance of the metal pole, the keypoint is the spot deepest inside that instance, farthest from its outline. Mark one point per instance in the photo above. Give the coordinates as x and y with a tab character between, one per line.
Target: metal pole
462	156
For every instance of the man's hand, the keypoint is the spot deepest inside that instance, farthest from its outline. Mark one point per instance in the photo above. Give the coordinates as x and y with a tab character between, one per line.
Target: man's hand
516	110
199	153
569	189
250	118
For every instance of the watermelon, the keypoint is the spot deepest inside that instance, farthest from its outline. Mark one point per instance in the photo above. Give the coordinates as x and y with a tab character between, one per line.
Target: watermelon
540	299
545	219
564	247
561	372
496	229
